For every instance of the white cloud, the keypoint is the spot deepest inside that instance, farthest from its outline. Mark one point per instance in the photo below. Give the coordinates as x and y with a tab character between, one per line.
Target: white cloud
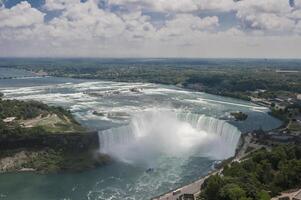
59	4
127	29
265	6
217	5
267	21
177	5
183	24
296	14
268	15
20	15
159	5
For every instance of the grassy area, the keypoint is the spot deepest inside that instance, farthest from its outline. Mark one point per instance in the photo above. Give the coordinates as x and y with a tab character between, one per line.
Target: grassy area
53	123
31	117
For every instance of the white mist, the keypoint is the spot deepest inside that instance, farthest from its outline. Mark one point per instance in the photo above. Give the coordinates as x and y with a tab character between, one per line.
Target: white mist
159	132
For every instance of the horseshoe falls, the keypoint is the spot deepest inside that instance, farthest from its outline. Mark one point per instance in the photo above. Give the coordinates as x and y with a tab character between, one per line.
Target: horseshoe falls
153	133
179	134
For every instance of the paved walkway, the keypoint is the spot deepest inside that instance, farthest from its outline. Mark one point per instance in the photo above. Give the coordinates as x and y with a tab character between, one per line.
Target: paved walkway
291	194
193	188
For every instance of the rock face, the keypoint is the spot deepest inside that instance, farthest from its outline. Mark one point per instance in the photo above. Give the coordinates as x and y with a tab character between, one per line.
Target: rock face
50	152
10	162
71	141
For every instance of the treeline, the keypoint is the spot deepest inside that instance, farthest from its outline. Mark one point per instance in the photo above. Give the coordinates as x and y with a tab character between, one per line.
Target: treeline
233	78
260	176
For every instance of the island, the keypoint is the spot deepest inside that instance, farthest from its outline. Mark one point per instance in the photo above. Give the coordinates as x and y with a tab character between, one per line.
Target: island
42	138
239	116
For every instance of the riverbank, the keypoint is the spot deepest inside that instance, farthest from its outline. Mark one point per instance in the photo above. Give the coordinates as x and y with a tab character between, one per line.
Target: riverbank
47	153
193	189
247	154
110	98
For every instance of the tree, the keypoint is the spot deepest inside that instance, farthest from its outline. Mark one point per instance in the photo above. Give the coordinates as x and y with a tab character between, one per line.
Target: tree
212	186
232	192
263	195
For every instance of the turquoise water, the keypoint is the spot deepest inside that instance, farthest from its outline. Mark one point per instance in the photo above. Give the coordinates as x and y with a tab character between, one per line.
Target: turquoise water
178	133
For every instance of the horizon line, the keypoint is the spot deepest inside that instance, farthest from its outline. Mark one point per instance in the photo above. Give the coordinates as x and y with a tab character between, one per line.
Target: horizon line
188	58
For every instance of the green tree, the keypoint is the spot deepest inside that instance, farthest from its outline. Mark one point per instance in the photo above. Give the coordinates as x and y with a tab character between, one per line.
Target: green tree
232	192
212	187
263	195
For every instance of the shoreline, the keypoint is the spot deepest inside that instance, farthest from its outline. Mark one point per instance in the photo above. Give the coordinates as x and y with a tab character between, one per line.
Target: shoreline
194	188
195	185
190	188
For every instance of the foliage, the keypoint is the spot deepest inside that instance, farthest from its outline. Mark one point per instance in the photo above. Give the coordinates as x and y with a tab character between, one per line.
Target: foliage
228	77
240	116
23	110
261	175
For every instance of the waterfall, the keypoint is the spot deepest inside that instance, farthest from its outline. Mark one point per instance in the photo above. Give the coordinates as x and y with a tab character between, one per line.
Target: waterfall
222	128
154	133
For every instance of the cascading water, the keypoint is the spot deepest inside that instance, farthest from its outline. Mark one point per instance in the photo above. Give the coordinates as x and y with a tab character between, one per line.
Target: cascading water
154	133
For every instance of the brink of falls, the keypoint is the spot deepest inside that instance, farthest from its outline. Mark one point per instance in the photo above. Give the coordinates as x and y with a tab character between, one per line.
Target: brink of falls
156	132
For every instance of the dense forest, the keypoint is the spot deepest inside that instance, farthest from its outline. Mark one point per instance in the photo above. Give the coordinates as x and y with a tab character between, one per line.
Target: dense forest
258	177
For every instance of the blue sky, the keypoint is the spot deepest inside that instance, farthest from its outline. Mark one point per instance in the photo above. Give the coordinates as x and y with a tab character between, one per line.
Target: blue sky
151	28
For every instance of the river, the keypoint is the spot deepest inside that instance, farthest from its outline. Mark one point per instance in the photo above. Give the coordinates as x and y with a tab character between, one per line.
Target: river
176	133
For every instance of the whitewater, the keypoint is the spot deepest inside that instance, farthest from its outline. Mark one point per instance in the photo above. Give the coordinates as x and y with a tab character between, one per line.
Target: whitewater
159	131
179	134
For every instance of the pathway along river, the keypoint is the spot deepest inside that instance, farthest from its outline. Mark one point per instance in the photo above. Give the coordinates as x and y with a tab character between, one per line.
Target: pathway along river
178	134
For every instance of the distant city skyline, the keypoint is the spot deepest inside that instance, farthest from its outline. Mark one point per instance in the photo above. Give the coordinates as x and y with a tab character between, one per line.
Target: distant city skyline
149	28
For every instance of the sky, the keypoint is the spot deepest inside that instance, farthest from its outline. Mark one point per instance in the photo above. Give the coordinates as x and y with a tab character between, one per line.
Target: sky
151	28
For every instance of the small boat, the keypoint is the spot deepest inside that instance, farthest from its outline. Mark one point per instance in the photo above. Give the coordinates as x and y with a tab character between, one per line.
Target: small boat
149	170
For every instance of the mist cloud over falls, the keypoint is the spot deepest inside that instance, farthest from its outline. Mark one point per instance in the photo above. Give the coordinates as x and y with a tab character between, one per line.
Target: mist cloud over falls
155	133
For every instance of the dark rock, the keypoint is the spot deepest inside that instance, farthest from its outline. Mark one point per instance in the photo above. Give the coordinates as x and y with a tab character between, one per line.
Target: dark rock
70	141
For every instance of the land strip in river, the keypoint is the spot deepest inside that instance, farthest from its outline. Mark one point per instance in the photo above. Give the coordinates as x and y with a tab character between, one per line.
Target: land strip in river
42	138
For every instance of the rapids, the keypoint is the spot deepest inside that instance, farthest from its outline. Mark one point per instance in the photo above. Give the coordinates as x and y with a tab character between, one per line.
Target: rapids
179	134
